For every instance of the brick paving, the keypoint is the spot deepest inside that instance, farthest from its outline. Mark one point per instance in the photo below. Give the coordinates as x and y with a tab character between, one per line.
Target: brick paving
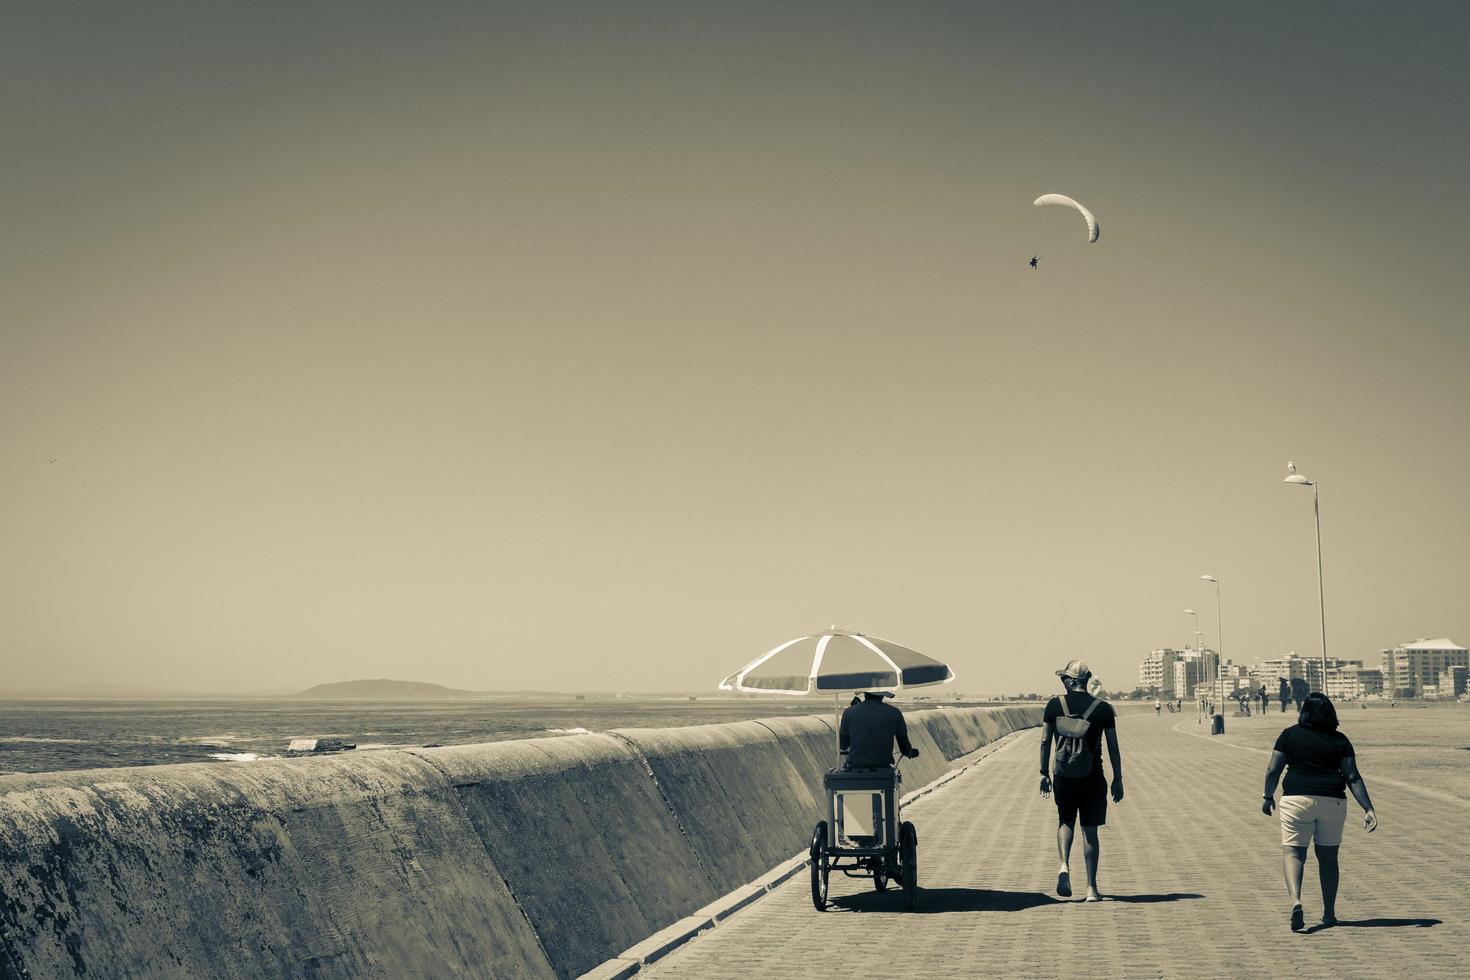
1192	867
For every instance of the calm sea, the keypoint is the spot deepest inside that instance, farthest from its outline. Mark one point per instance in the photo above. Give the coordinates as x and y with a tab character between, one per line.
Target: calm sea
41	736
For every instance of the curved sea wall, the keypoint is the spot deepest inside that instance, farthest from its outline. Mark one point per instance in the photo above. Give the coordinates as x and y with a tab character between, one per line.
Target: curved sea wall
535	858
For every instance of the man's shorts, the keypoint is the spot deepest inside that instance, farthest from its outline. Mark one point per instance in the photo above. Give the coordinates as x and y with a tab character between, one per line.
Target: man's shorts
1086	797
1308	818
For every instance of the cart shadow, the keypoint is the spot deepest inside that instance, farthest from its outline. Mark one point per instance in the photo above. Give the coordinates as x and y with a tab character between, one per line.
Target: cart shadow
1376	924
946	900
940	900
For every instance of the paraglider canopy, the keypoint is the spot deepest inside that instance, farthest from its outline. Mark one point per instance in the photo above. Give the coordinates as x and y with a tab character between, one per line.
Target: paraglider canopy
1093	229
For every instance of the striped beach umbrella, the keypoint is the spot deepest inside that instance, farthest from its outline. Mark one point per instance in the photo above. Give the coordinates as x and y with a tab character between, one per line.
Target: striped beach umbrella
837	660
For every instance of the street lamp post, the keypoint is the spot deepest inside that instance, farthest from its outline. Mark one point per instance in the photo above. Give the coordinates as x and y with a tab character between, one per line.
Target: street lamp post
1190	612
1219	660
1292	476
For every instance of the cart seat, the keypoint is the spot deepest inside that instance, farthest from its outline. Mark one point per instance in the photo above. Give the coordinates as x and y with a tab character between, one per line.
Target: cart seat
843	780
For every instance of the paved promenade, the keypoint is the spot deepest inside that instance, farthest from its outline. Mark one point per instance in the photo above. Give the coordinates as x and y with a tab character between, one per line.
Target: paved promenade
1192	868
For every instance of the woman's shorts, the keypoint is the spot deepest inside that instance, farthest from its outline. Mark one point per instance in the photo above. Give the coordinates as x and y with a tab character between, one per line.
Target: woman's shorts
1305	819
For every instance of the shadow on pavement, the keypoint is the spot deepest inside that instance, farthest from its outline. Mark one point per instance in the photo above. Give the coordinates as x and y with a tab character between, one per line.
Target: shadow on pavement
1376	924
946	900
933	900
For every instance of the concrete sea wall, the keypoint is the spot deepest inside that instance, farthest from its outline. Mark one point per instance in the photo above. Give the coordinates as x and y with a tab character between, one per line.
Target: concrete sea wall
535	858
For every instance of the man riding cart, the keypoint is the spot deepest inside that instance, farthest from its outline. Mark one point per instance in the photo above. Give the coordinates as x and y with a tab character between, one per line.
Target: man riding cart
860	824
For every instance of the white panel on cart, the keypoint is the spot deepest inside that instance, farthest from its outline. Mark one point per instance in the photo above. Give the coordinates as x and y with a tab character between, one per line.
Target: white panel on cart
857	814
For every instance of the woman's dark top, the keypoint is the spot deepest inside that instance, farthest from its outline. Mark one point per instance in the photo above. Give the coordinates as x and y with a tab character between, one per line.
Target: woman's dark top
1314	762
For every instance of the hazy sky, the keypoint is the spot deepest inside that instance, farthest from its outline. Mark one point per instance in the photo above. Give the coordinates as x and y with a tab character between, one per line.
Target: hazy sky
606	345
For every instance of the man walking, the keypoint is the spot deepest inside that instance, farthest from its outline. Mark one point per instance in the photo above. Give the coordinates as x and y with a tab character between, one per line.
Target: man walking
1076	722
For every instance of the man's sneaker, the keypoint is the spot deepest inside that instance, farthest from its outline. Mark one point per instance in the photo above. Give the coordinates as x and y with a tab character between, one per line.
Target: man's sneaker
1064	884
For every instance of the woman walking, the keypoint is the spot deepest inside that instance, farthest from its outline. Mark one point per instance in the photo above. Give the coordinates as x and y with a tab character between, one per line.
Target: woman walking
1320	764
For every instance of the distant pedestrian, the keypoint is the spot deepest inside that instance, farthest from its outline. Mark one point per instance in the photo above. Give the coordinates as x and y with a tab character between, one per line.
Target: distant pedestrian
1265	699
1076	721
1158	707
1320	763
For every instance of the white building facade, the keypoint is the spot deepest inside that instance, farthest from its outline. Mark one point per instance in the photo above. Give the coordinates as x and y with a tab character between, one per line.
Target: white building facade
1157	671
1411	667
1345	680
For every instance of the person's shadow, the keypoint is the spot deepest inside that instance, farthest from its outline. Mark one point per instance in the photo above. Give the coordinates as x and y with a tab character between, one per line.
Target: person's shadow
938	900
1375	924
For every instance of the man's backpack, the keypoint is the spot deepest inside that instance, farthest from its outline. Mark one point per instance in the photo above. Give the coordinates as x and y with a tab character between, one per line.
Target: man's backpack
1073	757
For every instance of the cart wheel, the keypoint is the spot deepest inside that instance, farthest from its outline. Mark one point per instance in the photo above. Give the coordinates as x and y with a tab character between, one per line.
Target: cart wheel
908	856
819	866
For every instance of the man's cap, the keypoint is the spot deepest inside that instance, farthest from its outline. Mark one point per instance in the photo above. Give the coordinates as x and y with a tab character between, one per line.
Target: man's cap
880	695
1075	669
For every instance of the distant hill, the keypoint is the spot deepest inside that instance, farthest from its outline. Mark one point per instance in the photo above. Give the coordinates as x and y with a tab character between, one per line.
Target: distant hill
383	689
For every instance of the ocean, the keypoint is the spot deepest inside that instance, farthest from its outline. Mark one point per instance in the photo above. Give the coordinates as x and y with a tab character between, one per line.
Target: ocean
50	735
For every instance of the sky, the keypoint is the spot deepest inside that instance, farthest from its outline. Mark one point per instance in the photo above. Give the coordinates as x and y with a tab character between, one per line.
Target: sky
605	346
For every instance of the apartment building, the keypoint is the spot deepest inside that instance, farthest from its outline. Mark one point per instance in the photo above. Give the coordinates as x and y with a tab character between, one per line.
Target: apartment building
1453	681
1176	673
1195	668
1157	671
1410	667
1345	680
1353	681
1270	672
